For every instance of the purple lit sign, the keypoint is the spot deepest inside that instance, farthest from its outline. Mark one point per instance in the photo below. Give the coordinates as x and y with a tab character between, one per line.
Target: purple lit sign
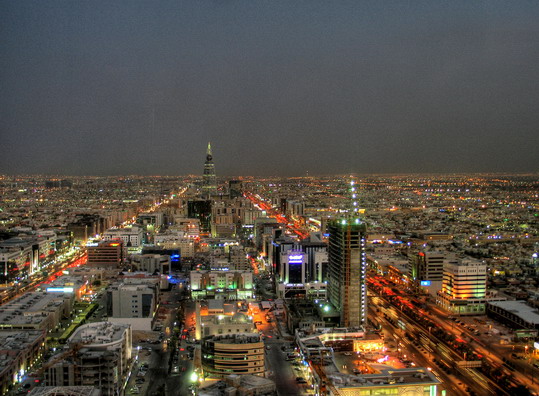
295	259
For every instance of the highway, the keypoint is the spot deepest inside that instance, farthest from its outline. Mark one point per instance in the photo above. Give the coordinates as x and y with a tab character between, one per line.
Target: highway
398	310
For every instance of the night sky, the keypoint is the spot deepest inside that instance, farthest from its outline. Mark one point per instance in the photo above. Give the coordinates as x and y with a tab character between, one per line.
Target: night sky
278	87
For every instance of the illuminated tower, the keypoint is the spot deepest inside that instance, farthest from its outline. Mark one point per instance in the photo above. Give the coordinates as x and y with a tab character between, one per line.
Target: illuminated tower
347	285
209	180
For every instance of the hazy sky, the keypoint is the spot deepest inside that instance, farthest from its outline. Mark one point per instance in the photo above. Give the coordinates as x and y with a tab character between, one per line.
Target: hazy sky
278	87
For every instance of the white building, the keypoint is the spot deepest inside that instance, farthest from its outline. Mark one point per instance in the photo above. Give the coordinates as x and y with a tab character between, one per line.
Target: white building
233	285
427	269
131	300
152	263
131	236
176	240
464	288
191	227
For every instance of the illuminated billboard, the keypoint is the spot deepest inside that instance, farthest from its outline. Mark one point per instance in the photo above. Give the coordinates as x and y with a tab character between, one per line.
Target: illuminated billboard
295	259
60	289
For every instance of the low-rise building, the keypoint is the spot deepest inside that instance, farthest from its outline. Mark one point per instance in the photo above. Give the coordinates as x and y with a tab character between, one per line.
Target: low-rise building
151	263
131	236
134	304
106	254
412	381
223	355
230	285
97	354
515	314
222	319
18	352
36	311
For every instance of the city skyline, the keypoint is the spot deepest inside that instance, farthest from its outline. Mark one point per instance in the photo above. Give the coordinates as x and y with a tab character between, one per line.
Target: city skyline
279	89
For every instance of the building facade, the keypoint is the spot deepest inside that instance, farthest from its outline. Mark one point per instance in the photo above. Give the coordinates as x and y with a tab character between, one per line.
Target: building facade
107	254
233	354
347	286
464	288
209	180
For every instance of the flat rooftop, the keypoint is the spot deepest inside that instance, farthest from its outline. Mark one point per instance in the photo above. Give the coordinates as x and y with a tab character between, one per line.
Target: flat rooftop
16	341
31	308
520	309
98	333
242	338
395	377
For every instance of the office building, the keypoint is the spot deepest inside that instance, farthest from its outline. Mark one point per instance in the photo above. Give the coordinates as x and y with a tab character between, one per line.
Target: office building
427	269
151	263
316	250
24	255
218	320
279	246
227	354
201	210
106	254
133	304
347	289
131	236
293	267
464	288
229	285
189	227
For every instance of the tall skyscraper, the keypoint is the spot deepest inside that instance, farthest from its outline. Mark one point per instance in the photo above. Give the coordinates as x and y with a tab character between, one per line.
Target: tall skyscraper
347	285
209	180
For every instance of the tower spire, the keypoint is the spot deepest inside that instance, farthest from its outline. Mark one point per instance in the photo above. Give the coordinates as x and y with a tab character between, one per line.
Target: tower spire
208	151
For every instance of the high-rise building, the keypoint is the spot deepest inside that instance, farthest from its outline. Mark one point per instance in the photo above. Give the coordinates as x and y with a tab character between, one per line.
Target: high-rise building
209	180
347	289
201	210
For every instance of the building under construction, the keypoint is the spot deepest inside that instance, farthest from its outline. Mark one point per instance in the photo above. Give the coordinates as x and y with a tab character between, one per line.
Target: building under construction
98	355
347	288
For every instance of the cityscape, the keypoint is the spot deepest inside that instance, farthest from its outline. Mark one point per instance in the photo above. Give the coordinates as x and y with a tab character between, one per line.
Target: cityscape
269	198
345	285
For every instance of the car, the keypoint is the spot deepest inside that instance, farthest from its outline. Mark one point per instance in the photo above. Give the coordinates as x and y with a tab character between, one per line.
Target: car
268	347
348	354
